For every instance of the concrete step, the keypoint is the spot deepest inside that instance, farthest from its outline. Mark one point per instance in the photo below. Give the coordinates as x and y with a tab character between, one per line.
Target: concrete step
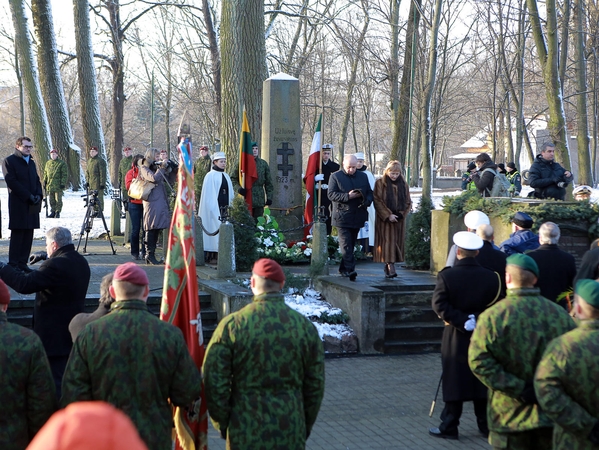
415	331
408	298
405	347
395	285
395	315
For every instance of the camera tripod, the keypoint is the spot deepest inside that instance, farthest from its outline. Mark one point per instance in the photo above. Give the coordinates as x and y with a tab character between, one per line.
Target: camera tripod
93	211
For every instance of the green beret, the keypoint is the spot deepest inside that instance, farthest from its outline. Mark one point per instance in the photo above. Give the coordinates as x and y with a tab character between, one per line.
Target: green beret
588	290
254	145
524	262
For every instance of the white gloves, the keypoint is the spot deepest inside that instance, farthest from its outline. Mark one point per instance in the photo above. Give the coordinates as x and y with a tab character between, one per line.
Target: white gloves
319	177
470	324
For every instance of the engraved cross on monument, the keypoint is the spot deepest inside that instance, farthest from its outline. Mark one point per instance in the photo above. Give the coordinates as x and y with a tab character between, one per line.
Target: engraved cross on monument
285	152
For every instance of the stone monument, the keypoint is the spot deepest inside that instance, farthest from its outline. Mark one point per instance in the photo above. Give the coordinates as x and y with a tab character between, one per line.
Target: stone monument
281	147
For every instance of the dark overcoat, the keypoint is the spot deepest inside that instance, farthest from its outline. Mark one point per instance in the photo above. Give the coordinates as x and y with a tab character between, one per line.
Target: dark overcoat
389	237
484	182
60	286
557	270
544	175
464	289
349	213
493	259
327	170
589	266
22	182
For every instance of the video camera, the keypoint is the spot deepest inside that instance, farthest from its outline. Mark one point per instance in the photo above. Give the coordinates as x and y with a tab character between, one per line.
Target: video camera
90	198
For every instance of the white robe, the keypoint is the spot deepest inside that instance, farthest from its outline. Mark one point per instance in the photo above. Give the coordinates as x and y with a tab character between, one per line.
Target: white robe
367	231
209	211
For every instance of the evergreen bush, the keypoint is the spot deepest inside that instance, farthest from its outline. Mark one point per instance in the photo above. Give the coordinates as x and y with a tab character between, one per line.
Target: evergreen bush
418	238
245	242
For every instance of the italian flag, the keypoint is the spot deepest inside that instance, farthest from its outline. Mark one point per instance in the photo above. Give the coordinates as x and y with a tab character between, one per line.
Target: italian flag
247	164
312	170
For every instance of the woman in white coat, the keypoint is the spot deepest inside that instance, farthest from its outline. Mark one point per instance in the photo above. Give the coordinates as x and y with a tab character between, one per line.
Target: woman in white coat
217	192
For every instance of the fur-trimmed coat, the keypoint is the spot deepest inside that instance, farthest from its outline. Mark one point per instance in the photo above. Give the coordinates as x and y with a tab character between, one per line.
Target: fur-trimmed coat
389	237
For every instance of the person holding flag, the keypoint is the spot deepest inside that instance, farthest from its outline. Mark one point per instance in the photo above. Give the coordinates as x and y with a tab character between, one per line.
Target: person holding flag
262	189
248	172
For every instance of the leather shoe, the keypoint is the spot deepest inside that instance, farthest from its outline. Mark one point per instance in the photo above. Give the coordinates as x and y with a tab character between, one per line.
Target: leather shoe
353	275
435	432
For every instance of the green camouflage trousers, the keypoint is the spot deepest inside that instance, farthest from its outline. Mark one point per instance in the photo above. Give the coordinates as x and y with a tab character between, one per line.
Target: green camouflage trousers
537	439
55	198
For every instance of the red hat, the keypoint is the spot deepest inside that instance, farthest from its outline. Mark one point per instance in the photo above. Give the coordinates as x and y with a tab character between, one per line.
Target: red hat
204	147
131	273
88	425
4	294
94	148
267	268
53	151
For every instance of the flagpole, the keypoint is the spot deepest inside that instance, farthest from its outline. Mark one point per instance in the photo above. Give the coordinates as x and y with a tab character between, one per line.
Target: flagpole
320	163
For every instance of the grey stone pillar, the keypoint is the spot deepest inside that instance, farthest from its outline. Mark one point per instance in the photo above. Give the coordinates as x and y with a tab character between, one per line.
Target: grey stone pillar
199	243
320	255
127	237
281	147
115	220
225	267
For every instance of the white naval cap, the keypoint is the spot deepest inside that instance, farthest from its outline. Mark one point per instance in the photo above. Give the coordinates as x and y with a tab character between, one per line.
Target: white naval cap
218	155
359	156
327	146
475	218
467	240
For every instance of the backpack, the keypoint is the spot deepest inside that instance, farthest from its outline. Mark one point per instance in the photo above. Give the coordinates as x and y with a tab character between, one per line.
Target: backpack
501	185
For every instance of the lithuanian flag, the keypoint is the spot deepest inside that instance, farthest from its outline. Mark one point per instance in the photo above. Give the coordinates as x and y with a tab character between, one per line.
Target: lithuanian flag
247	164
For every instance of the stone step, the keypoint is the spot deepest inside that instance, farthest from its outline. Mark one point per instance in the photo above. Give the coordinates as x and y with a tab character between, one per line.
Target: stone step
405	347
393	285
415	331
408	298
395	314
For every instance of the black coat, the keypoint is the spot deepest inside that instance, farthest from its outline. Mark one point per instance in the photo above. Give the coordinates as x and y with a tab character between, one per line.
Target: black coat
589	266
484	182
544	175
60	286
493	259
22	182
557	270
349	213
461	290
327	170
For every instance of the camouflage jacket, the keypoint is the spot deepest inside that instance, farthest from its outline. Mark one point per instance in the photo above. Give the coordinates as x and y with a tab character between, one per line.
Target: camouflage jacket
264	376
200	168
95	173
124	167
567	385
263	185
134	361
505	349
27	388
55	175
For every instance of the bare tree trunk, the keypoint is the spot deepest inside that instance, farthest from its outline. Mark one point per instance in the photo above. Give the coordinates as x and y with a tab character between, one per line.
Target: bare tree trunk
585	173
563	45
519	96
86	74
21	92
29	72
52	89
214	55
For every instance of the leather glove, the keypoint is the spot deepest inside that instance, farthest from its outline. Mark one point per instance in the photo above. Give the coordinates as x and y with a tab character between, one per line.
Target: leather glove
562	184
37	256
470	324
594	434
34	199
319	177
528	394
242	191
268	202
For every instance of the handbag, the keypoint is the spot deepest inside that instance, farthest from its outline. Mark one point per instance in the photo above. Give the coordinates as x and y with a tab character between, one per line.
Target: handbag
140	189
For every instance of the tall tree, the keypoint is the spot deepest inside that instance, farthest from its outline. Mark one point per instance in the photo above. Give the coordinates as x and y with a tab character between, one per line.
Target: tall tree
52	89
29	72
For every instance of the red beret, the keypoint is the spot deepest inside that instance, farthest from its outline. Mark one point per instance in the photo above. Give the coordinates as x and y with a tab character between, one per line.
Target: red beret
131	273
267	268
85	425
4	294
127	149
53	151
94	148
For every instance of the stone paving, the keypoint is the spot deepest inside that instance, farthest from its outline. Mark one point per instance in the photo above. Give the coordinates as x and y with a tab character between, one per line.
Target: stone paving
374	402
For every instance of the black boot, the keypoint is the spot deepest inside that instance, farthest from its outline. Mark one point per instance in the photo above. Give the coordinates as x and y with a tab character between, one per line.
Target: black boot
151	259
57	215
52	215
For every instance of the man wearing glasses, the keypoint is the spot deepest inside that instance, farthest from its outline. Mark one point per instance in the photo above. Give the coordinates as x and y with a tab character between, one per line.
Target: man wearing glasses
24	202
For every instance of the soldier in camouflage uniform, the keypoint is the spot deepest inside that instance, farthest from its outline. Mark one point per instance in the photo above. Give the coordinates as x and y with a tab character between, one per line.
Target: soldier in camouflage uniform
95	173
262	189
567	379
55	181
27	388
134	361
264	370
505	349
124	167
200	168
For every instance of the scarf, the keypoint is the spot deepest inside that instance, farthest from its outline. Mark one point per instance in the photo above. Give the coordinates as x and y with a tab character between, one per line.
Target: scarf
395	202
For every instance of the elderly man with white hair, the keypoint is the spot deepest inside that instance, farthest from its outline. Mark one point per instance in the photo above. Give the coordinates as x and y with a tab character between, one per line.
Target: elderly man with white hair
472	220
557	268
351	195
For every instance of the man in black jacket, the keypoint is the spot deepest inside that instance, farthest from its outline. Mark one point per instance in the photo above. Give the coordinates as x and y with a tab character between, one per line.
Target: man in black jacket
24	202
462	292
489	256
548	178
60	287
351	195
327	168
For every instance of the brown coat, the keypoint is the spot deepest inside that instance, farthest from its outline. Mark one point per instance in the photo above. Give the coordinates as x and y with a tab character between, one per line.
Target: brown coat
389	237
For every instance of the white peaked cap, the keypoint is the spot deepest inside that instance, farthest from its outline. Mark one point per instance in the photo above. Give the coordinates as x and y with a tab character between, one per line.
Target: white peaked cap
327	146
475	218
467	240
359	156
218	155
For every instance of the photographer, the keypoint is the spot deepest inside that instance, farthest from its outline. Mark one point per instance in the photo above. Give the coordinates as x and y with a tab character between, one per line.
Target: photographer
156	214
548	178
484	180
